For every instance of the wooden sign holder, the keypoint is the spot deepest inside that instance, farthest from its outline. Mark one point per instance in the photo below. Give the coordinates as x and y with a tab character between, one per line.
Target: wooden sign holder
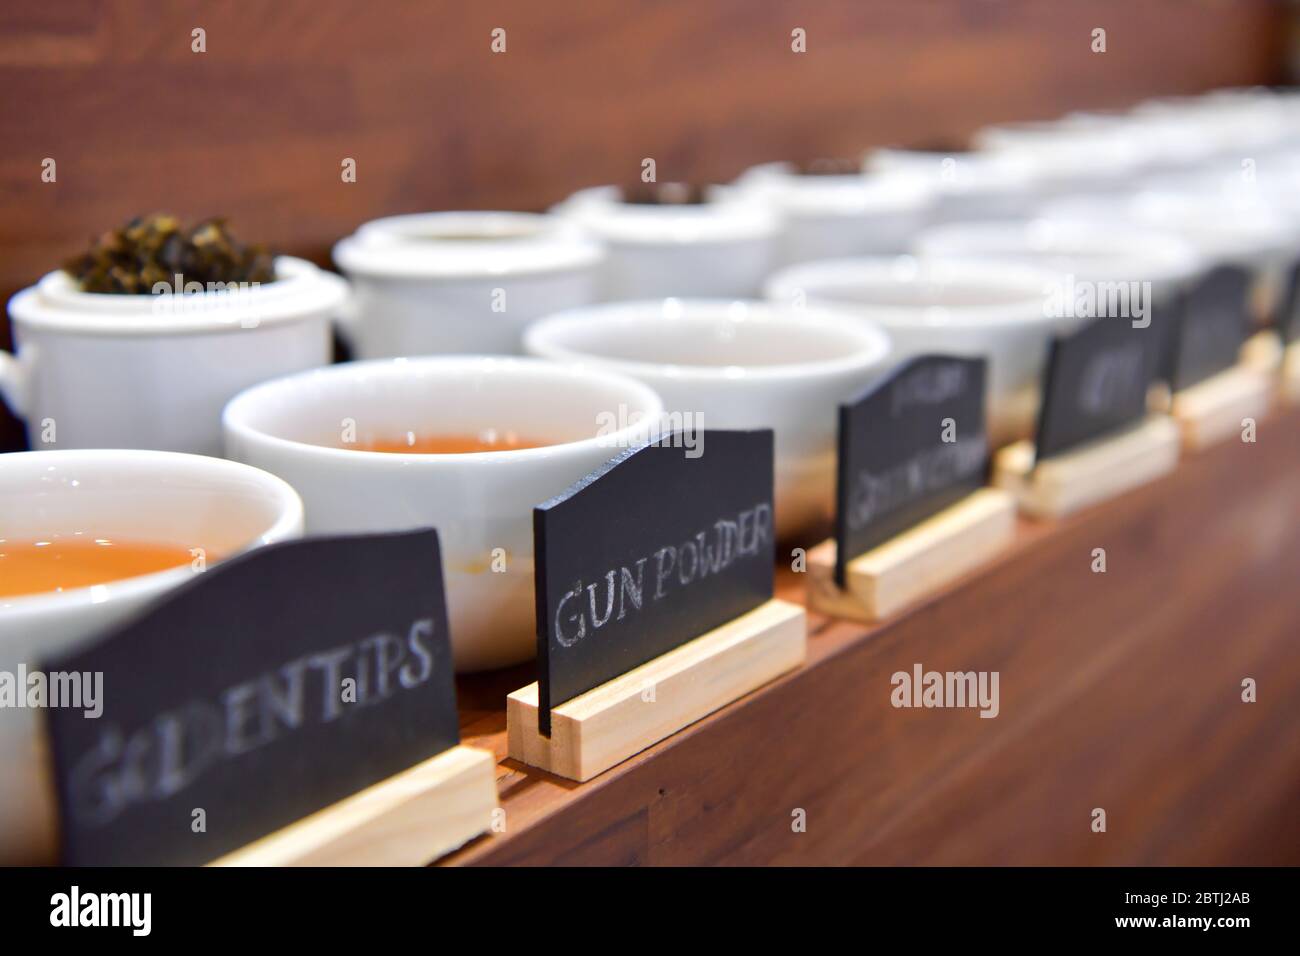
610	723
1212	410
1291	373
1089	474
912	565
410	819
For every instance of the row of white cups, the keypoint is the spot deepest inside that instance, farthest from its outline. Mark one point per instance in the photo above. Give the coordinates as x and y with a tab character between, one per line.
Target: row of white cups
781	295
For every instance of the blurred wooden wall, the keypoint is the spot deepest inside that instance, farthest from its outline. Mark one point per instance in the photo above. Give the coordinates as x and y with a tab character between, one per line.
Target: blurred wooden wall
257	126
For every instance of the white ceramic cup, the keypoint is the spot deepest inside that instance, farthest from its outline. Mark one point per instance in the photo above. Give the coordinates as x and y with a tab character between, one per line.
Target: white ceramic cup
461	282
736	365
999	311
830	216
188	501
481	503
94	370
721	247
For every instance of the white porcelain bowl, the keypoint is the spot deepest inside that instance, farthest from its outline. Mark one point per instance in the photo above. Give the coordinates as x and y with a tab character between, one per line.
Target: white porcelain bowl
94	370
461	282
1000	311
188	501
481	503
829	216
720	247
737	365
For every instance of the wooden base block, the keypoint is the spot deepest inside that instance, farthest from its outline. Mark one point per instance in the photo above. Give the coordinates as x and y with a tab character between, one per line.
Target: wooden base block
1211	411
916	563
410	819
608	724
1263	350
1089	474
1291	373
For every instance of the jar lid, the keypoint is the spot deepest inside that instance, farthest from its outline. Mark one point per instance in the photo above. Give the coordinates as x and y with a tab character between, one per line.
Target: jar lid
465	245
300	291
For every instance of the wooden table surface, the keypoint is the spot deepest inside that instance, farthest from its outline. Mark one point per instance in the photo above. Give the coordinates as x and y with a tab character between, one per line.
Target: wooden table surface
1120	691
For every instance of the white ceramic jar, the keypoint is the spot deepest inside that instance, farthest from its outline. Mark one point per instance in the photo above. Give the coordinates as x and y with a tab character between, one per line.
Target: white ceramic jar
162	498
831	215
721	364
95	370
968	184
1067	157
461	282
722	245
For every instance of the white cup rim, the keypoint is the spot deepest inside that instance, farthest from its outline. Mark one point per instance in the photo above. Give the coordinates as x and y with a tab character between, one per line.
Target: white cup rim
871	342
287	524
238	412
1031	287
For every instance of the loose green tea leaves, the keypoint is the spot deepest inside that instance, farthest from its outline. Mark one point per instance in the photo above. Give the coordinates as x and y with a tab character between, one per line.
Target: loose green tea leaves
158	248
665	194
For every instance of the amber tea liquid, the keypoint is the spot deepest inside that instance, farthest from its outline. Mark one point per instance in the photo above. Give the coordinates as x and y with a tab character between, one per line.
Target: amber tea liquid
414	444
63	563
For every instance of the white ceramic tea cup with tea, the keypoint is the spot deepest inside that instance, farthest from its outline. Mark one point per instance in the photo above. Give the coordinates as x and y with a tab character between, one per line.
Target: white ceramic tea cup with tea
505	434
175	514
673	240
95	370
736	364
461	282
1002	311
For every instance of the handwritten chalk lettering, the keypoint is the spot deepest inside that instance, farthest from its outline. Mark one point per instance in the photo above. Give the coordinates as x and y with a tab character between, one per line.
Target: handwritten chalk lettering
875	494
1095	383
166	755
909	445
589	606
927	385
1112	380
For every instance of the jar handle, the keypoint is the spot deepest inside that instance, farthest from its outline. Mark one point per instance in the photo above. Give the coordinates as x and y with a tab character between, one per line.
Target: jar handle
13	382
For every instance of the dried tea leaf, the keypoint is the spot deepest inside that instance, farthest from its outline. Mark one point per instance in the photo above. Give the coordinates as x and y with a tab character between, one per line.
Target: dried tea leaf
153	249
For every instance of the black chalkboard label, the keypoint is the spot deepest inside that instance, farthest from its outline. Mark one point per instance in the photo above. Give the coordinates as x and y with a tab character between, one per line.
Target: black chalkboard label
647	553
1212	326
272	685
1288	314
908	446
1096	381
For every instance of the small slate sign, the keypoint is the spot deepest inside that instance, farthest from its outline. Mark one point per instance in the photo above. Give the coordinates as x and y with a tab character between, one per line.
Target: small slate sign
908	446
1096	381
1213	324
271	686
647	553
1288	315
